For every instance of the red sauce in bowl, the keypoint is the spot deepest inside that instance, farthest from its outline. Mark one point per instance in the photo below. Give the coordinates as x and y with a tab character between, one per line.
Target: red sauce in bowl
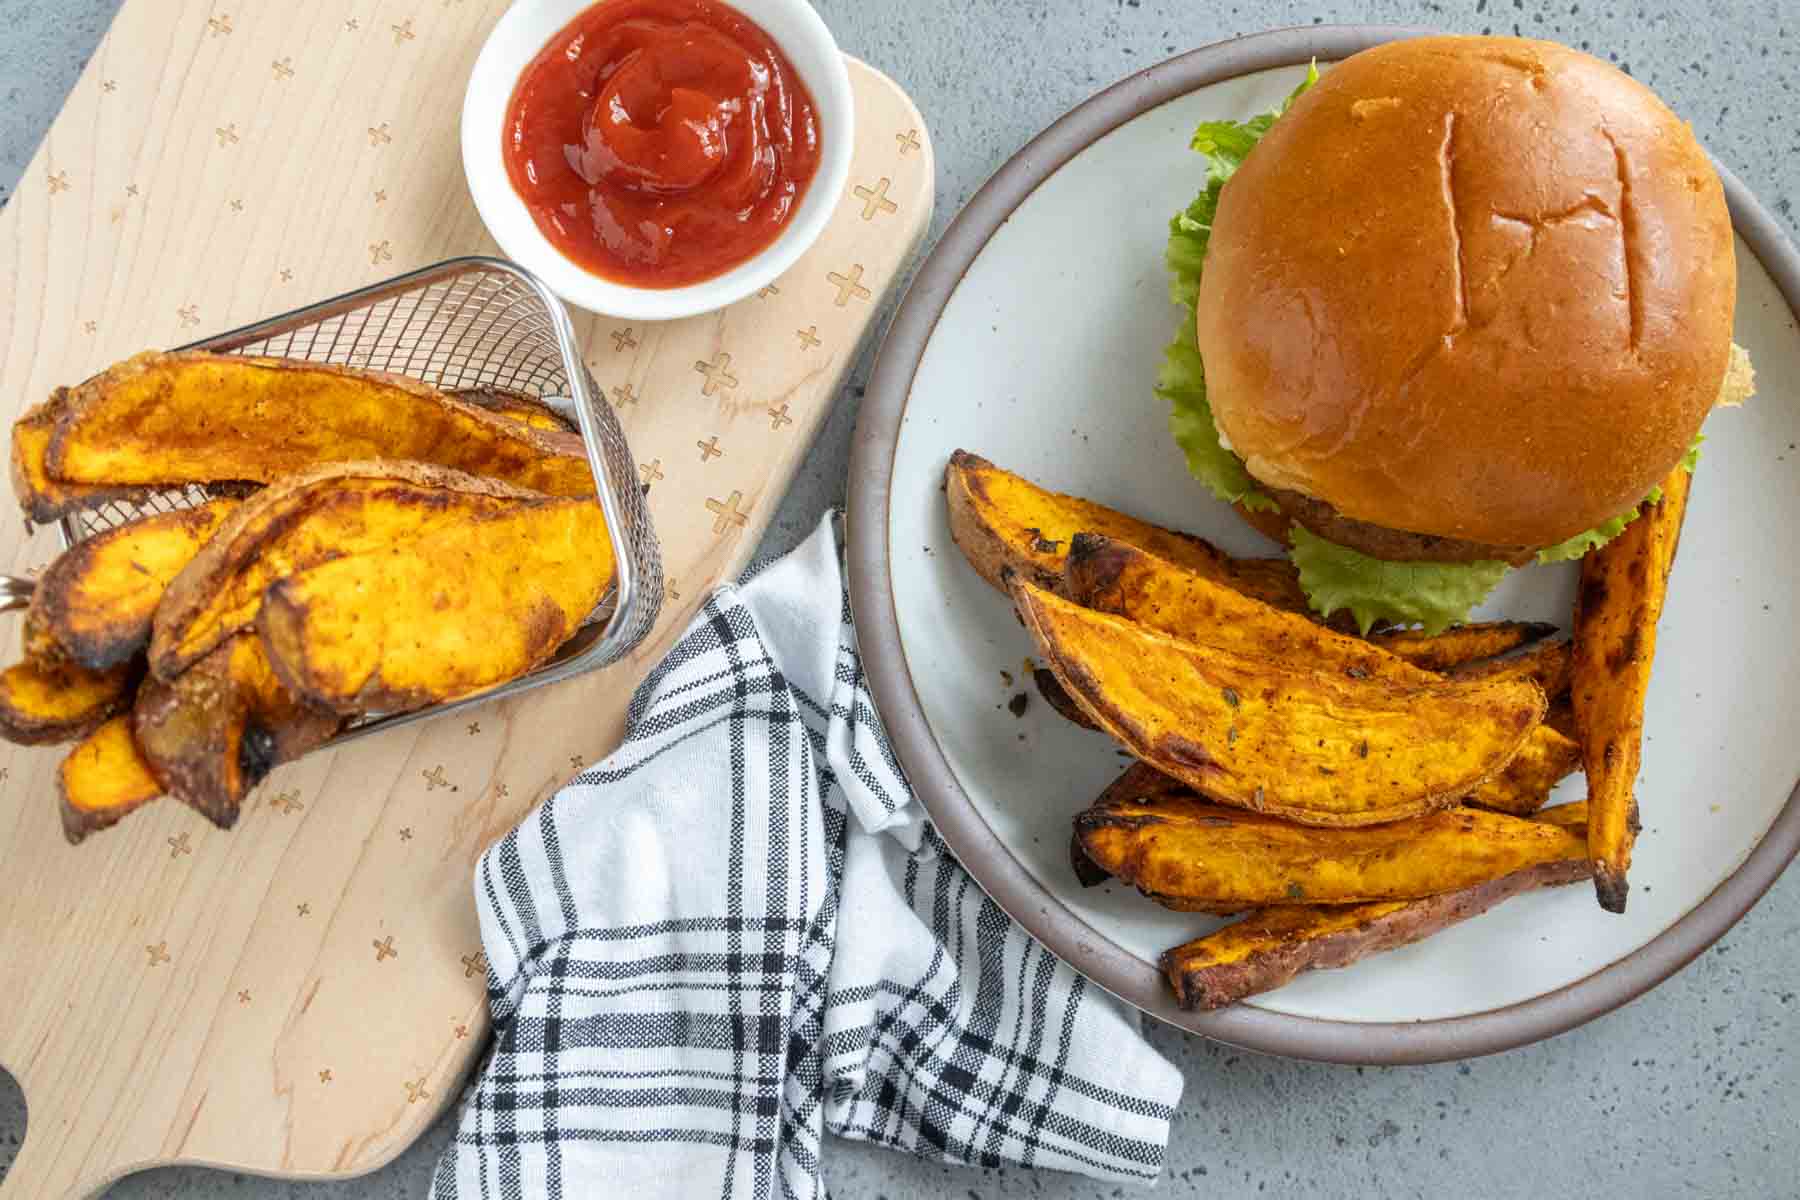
661	142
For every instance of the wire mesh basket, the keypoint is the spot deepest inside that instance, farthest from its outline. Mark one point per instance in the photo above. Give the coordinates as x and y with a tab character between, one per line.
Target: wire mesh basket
464	324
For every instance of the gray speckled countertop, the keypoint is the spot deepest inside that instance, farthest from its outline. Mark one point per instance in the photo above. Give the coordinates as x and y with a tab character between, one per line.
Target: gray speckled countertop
1692	1090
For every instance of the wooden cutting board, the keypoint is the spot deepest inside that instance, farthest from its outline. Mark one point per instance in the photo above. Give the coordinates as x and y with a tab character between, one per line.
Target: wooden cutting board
303	995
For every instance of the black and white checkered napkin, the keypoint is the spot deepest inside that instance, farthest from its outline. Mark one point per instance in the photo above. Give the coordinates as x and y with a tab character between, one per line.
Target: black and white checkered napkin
739	931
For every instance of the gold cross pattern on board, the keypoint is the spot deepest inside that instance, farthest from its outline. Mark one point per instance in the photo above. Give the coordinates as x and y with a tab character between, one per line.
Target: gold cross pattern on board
718	374
726	512
848	286
875	200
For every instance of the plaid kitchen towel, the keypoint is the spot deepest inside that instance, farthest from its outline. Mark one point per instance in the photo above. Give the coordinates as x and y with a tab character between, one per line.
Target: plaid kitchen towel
739	931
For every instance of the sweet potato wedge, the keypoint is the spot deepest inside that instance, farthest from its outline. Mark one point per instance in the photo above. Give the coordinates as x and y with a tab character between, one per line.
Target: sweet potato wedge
329	512
1546	758
1561	717
525	409
1462	644
103	780
1112	576
1187	854
43	702
97	599
1547	664
1317	748
1574	816
1619	602
38	643
1001	521
442	616
43	498
194	417
213	733
1269	948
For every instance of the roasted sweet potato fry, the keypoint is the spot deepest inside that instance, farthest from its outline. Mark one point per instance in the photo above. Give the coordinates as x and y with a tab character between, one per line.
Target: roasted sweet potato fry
104	780
1463	644
1002	521
1190	855
1620	600
1322	749
43	702
193	417
1269	948
1573	816
1111	576
213	733
442	616
97	599
1561	717
523	408
43	498
1546	758
329	512
37	641
1547	664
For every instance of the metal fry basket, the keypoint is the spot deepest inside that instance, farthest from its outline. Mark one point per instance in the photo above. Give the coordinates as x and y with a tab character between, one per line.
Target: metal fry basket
462	324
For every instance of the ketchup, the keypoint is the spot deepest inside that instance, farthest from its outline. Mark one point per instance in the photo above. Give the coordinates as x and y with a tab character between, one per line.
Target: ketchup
661	142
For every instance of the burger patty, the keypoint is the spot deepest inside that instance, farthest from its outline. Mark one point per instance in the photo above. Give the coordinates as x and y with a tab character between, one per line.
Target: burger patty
1376	541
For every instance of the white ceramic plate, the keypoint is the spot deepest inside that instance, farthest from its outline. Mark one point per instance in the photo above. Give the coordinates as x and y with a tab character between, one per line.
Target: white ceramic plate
1037	346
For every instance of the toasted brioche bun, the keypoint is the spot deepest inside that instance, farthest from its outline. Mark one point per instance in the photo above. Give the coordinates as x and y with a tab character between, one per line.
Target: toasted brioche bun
1477	288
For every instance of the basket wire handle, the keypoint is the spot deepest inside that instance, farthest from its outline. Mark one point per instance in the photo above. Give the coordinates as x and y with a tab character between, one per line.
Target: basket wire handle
15	592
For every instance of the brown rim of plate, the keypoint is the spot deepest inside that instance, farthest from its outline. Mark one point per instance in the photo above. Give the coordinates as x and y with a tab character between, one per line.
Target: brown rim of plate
989	861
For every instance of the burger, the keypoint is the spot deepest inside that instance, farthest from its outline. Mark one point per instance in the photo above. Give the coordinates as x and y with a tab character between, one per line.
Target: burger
1459	306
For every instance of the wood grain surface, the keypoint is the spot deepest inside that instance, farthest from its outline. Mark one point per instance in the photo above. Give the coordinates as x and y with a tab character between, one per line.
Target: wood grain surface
302	996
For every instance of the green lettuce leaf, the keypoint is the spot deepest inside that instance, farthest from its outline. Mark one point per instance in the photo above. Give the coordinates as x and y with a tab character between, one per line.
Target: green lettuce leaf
1589	539
1182	380
1435	595
1181	383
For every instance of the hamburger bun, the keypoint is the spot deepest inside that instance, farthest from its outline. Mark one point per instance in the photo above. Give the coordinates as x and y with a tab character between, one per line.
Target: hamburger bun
1469	287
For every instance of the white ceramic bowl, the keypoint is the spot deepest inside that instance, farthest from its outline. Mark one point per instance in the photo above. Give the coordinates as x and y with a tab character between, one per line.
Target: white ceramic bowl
522	32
